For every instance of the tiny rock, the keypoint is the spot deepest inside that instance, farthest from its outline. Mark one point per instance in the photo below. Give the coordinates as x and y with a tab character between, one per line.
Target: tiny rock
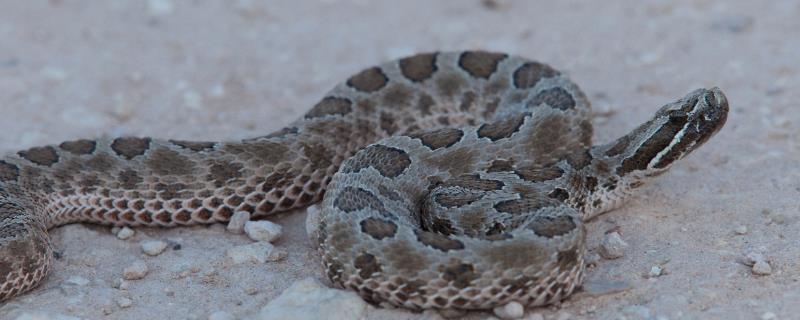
512	310
762	268
153	247
655	271
135	271
741	230
752	257
120	284
259	252
124	302
612	246
262	230
125	233
236	224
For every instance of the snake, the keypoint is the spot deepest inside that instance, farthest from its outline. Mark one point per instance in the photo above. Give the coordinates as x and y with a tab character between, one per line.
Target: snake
443	180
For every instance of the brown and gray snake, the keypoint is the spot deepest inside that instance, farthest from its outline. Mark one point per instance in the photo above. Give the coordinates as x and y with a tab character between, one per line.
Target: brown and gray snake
450	180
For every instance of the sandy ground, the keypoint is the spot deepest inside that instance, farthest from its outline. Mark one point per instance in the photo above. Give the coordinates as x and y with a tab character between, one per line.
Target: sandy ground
229	70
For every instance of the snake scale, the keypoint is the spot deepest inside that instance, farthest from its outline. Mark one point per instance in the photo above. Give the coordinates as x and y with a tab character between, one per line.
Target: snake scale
450	180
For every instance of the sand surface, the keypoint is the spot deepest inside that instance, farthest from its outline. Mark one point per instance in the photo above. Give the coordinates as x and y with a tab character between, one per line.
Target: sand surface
224	70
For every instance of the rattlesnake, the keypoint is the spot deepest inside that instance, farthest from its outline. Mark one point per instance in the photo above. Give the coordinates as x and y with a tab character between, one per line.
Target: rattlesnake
463	181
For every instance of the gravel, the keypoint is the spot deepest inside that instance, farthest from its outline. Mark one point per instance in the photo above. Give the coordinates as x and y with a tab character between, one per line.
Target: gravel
262	230
153	247
612	247
125	233
137	270
237	222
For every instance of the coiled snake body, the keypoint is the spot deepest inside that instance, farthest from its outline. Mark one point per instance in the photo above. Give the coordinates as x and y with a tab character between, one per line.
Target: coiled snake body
463	181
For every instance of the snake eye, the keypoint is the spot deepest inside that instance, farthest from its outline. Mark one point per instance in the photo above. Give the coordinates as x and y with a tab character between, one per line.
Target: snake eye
709	99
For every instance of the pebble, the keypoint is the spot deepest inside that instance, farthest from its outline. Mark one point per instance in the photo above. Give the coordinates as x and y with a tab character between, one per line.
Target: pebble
236	224
655	271
260	252
251	291
135	271
741	230
124	302
752	257
125	233
762	268
612	246
512	310
153	247
310	299
221	315
262	230
120	284
768	316
777	218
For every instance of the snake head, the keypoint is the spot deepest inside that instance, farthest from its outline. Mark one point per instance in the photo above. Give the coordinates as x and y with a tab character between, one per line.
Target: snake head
677	129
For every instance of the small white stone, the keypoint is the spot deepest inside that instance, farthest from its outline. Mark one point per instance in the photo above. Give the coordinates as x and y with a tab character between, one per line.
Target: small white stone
259	252
655	271
768	316
612	246
237	222
153	247
120	284
135	271
262	230
124	302
309	299
221	315
752	257
512	310
762	268
741	230
125	233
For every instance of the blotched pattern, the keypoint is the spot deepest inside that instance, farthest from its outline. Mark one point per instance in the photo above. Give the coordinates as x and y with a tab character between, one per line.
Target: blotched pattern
463	181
